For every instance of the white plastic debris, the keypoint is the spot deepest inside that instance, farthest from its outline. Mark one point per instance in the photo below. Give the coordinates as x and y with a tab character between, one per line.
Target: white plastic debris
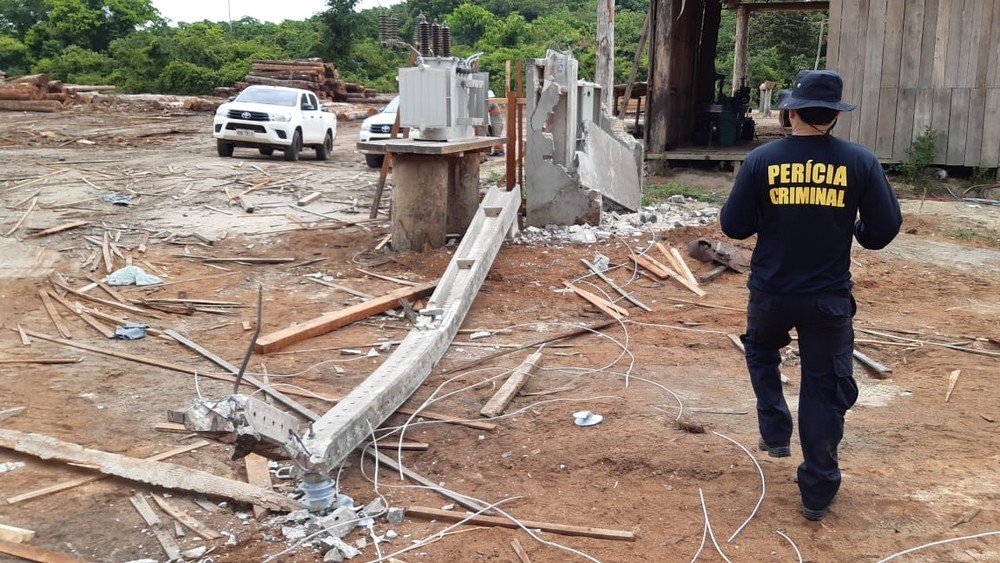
480	334
586	418
11	466
132	275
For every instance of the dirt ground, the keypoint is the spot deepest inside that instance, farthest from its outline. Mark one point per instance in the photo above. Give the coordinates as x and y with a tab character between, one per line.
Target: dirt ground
913	463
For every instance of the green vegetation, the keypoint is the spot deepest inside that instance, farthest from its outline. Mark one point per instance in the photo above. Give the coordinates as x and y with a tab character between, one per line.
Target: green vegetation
127	43
971	235
916	165
654	194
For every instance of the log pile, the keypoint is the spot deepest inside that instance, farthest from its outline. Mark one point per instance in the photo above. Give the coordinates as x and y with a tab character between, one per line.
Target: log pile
311	74
36	92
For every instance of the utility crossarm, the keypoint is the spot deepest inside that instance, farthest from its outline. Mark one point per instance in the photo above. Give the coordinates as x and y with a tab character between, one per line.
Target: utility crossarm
781	6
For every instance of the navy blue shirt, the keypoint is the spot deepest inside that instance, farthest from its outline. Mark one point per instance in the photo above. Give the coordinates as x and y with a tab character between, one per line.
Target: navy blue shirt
802	196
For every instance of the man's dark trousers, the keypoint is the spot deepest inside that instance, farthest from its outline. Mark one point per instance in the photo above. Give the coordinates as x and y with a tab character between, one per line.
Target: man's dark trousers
828	390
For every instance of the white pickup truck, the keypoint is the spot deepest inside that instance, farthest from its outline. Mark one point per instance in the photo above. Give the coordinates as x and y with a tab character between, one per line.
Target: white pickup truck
271	117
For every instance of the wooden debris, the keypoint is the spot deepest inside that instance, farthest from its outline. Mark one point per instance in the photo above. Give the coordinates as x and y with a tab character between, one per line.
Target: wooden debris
241	259
952	380
385	240
247	325
609	308
186	519
879	369
50	308
479	520
106	331
715	411
332	321
308	199
25	341
43	361
628	296
499	401
145	511
157	473
966	517
705	305
432	485
109	303
521	554
388	278
251	189
343	288
16	535
405	446
665	272
66	485
23	217
33	553
683	265
109	261
11	412
736	342
258	476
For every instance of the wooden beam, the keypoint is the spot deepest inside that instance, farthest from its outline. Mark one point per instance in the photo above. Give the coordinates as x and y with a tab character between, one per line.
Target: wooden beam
186	519
106	331
479	520
609	308
742	43
628	296
329	322
665	272
33	553
157	473
147	514
60	228
16	535
42	361
521	554
258	476
388	278
50	308
499	401
420	479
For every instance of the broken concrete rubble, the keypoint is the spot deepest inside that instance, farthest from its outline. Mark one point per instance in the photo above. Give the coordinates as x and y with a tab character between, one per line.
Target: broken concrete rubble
566	178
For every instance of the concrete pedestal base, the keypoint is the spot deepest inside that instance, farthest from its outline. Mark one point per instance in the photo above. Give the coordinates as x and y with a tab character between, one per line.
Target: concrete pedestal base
432	196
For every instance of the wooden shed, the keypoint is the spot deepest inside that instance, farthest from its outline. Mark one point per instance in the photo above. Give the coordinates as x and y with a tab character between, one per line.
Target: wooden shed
907	64
918	63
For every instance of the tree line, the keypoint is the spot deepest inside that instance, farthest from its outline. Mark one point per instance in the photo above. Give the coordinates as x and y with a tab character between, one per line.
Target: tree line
127	43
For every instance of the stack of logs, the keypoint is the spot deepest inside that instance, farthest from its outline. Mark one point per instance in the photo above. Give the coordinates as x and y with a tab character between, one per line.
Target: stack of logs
311	74
37	93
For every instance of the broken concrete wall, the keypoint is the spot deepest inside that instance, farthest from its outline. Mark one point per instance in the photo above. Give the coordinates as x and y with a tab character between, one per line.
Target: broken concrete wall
572	160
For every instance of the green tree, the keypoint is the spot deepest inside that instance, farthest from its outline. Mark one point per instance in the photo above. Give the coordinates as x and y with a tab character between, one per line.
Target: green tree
469	23
181	77
341	21
13	56
76	64
91	24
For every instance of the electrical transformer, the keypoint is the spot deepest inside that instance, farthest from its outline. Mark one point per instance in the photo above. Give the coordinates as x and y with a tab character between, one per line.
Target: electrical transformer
444	98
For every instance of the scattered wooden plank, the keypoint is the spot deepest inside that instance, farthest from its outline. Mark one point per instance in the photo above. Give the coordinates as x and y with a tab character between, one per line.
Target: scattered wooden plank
109	303
385	240
499	401
42	361
671	261
85	317
66	485
628	296
33	553
50	308
684	267
388	278
243	260
109	261
737	342
145	511
479	520
420	479
665	272
516	545
60	228
609	308
258	476
405	446
705	305
25	341
143	242
157	473
186	519
332	321
879	369
172	427
16	535
952	380
343	288
251	189
17	225
11	412
302	202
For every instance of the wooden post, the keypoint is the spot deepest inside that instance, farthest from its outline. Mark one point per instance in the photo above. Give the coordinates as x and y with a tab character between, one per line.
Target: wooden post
605	73
742	42
658	93
520	123
511	139
635	64
420	202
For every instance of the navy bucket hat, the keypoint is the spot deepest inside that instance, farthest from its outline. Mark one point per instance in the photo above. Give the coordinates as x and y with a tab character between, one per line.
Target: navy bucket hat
815	89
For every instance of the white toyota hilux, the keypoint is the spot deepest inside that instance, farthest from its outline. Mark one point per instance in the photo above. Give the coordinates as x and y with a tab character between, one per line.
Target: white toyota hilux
270	117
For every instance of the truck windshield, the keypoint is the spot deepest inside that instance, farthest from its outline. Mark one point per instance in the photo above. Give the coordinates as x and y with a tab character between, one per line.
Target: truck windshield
269	96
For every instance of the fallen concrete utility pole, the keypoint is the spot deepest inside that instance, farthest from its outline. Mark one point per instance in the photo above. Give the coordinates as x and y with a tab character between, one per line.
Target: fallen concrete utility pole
157	473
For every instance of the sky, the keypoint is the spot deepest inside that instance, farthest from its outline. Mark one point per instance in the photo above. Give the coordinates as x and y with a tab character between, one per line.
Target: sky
263	10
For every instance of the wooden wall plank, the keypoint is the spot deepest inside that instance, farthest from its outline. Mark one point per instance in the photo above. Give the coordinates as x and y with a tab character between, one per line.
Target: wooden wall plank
833	35
905	110
991	129
909	64
859	66
871	88
923	112
985	34
974	139
967	59
892	49
848	63
928	43
941	32
940	119
956	35
886	122
993	69
958	126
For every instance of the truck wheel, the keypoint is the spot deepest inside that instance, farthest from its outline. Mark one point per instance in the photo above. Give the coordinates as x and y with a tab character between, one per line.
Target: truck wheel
374	160
266	151
292	150
225	149
323	151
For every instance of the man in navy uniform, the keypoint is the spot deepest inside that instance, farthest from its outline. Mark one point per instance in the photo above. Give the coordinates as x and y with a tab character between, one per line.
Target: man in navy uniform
805	197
